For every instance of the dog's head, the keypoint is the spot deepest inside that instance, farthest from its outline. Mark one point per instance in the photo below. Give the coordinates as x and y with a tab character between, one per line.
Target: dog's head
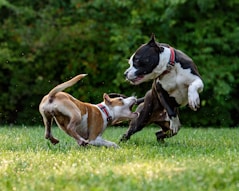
121	107
144	61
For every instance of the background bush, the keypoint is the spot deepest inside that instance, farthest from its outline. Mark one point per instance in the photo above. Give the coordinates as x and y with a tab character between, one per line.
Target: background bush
43	43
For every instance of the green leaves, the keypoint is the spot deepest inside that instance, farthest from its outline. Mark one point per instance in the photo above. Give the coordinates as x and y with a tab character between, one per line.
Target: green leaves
56	40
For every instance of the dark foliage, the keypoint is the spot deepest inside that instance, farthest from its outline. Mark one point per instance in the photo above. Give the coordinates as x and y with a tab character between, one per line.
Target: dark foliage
43	43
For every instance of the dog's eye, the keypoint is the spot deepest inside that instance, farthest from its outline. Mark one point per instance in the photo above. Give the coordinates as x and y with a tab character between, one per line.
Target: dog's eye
121	100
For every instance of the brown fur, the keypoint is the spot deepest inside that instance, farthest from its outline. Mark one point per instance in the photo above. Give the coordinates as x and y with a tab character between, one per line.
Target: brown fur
84	122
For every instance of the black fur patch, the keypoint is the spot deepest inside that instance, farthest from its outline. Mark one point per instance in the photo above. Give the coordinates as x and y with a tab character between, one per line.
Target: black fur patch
186	62
146	59
169	103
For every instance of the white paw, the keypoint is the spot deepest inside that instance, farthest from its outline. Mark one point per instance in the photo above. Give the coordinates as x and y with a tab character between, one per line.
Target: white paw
194	101
113	145
193	96
175	125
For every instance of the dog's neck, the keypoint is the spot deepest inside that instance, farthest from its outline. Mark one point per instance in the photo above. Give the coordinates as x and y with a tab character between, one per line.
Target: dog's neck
168	60
104	108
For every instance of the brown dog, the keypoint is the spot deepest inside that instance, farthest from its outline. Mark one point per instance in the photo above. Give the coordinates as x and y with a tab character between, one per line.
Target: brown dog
84	122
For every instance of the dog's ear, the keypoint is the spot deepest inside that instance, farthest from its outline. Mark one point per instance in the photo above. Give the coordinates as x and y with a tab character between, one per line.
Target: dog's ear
113	95
107	99
155	44
152	41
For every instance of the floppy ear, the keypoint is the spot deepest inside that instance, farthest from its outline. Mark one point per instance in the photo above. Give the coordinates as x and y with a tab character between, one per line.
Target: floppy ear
107	99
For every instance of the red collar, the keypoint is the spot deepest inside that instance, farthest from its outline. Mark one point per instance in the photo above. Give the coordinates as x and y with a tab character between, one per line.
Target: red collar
104	109
171	61
172	57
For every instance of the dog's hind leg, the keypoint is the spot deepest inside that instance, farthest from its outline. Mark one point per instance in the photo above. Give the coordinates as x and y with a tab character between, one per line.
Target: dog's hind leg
68	118
171	106
167	131
48	120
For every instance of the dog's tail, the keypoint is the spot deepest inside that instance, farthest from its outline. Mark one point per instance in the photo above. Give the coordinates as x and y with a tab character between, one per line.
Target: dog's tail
66	84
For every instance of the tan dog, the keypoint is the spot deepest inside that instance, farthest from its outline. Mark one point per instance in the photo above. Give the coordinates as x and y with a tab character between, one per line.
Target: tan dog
84	122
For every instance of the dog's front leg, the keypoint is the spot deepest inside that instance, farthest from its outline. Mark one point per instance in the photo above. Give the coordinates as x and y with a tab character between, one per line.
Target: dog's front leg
193	96
145	111
170	104
99	141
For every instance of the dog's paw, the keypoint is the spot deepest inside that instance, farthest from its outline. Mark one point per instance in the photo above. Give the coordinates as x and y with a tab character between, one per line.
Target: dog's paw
193	96
174	126
194	101
82	142
114	145
124	138
160	136
54	141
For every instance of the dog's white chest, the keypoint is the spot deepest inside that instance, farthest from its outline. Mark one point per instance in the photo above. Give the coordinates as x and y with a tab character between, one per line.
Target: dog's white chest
176	83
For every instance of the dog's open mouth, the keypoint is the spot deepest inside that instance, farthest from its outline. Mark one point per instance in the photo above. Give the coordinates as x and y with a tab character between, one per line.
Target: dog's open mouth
138	78
131	107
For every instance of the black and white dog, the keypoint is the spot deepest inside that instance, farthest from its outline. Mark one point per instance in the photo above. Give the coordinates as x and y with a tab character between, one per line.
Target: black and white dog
177	82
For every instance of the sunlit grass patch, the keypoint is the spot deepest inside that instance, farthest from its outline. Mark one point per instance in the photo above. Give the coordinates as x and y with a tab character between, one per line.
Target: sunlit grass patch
195	159
151	170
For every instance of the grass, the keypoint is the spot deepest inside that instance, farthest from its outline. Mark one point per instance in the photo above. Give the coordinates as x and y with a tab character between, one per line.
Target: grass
195	159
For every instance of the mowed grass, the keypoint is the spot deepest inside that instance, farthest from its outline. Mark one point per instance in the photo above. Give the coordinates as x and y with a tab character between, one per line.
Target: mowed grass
195	159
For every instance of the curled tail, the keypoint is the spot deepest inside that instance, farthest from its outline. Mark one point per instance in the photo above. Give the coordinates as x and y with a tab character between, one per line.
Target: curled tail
66	84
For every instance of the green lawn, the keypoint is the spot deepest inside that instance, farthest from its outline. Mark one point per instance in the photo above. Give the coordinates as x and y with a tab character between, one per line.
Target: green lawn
195	159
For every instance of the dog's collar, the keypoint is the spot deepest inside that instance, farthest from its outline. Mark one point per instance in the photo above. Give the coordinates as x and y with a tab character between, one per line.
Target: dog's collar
171	62
105	111
172	57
